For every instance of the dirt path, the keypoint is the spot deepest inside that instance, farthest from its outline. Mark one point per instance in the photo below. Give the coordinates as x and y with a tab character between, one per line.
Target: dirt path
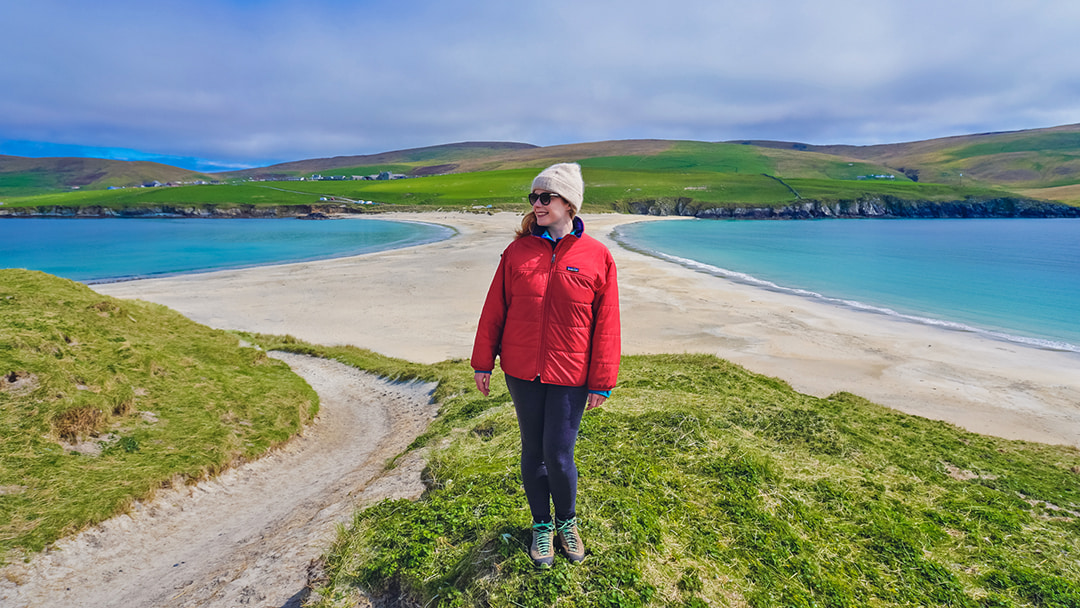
247	537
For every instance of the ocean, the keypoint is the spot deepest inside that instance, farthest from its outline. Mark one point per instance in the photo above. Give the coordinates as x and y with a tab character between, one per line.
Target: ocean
1011	279
105	250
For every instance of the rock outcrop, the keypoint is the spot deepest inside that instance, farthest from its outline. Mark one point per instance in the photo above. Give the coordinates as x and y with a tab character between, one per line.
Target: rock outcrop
191	211
869	207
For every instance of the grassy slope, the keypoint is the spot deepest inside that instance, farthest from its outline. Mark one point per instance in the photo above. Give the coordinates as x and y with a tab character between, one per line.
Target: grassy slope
21	176
704	484
400	161
1030	159
1040	163
1069	195
163	396
282	193
702	173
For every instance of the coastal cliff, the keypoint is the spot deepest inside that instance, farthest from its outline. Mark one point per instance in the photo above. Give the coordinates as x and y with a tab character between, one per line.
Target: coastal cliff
178	211
884	207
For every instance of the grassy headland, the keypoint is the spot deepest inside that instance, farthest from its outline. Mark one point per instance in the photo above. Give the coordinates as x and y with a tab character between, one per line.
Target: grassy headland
707	180
621	175
1029	160
703	484
21	176
102	401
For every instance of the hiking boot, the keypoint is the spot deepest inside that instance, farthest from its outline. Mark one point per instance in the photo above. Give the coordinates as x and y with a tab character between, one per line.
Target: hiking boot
570	540
542	550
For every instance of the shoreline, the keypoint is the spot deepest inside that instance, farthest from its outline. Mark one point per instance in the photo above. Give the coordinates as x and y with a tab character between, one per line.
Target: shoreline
853	305
421	303
449	232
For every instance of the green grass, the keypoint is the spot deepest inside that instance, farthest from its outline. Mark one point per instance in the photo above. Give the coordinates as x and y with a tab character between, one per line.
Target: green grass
1036	142
691	156
1029	160
275	193
696	175
21	176
28	184
160	396
703	484
832	190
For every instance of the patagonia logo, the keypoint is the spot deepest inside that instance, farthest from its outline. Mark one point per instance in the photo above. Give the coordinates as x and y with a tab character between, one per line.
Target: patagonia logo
572	269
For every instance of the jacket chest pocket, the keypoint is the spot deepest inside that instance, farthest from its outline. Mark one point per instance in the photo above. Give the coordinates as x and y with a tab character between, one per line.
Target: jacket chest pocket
575	283
529	279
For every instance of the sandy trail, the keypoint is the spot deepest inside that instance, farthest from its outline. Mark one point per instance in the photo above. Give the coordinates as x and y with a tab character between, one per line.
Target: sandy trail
248	536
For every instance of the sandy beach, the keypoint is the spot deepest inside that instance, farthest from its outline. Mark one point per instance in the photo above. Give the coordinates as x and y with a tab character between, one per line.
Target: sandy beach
422	304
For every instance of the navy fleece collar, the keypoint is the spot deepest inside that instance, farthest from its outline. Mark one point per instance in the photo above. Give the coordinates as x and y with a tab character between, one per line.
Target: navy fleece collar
578	230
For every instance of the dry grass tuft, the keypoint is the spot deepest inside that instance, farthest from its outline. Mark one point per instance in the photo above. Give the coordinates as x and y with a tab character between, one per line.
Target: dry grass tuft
107	309
77	422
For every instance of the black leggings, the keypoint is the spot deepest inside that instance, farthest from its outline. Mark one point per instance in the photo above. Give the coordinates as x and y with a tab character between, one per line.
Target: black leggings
548	417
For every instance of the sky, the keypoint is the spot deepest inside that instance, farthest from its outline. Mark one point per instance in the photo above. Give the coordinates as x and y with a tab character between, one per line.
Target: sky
226	84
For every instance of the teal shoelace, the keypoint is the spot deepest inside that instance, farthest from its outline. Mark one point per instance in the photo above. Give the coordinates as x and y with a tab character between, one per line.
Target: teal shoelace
569	532
544	534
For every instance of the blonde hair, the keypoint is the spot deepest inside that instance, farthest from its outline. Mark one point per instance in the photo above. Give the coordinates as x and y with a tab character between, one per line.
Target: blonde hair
528	223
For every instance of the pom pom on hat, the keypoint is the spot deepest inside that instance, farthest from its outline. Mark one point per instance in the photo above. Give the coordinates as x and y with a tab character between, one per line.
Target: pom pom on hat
565	180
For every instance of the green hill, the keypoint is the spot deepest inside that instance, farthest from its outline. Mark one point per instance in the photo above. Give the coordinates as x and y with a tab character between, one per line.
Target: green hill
21	176
621	175
1033	162
702	484
417	161
102	401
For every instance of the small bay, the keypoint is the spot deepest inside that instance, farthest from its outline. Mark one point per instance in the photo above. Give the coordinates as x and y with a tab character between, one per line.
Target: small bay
102	250
1013	279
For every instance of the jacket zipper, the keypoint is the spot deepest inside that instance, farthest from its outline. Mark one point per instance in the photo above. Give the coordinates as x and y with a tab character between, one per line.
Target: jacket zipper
544	313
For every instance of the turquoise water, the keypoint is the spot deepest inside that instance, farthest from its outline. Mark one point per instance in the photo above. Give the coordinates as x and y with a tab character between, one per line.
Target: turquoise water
1017	280
102	250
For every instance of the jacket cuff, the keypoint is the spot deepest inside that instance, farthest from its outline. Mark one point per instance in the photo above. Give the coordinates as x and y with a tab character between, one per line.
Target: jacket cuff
604	394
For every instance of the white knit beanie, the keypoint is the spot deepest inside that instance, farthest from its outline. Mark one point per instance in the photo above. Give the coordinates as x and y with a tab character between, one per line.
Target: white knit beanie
565	180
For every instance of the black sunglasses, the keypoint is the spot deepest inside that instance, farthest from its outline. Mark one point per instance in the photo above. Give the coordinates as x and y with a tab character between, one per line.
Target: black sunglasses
543	197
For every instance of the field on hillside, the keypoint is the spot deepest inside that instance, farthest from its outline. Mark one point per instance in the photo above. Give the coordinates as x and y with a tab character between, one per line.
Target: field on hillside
228	195
1039	162
32	176
618	174
1029	160
1066	194
612	184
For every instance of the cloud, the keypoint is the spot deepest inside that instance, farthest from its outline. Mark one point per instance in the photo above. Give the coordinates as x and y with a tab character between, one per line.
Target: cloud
248	81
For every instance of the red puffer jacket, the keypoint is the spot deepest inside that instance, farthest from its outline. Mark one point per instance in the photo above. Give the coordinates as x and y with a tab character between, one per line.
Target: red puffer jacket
553	314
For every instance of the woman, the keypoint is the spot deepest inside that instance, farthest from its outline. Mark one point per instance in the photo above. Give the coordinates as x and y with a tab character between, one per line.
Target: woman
552	317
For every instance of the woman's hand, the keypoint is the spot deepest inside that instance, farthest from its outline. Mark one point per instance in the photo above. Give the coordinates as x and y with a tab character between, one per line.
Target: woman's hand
594	401
483	382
